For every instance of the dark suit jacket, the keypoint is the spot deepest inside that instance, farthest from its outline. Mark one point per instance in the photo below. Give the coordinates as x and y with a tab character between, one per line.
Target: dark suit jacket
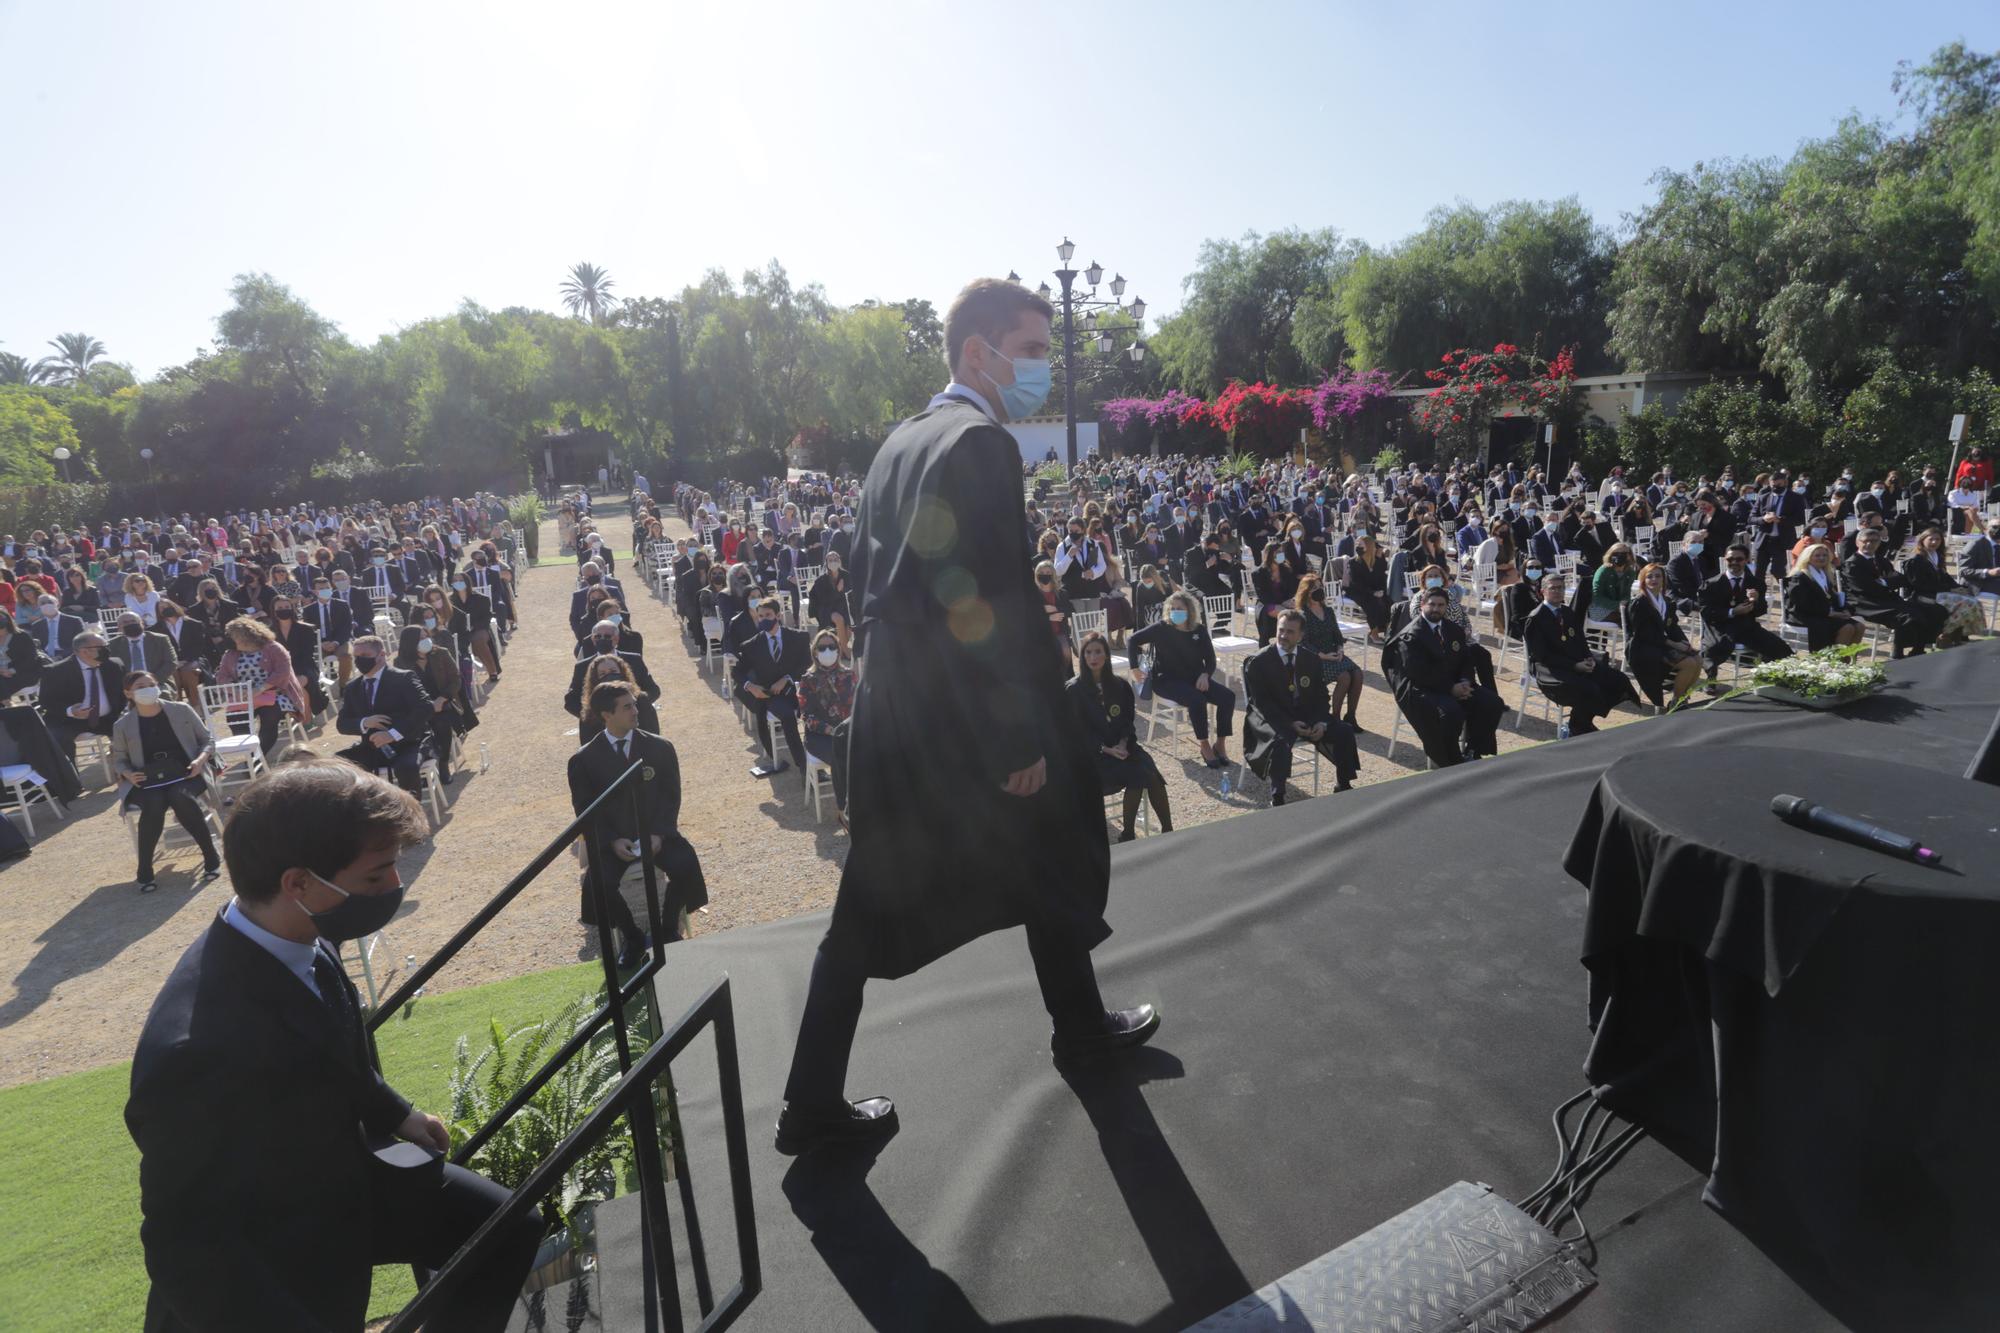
1925	579
1647	635
1718	598
1283	697
62	688
161	659
1686	575
573	699
595	766
67	628
1873	586
240	1071
755	663
1431	663
578	624
25	660
401	697
1556	645
1806	602
1106	721
334	620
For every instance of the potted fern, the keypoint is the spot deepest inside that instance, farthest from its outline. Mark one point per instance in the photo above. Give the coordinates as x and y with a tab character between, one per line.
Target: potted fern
525	511
483	1081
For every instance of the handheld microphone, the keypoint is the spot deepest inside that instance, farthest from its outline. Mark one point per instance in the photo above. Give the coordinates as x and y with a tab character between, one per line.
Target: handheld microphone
1815	818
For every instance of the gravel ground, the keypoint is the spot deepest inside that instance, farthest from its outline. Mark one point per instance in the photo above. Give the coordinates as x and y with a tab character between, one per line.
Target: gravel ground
84	953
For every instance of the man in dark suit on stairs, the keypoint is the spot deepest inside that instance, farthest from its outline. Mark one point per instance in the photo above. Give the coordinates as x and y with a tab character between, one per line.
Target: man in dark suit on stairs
271	1179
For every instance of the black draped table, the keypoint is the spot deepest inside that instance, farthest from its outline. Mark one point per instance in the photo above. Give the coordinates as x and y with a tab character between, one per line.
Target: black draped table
1816	1022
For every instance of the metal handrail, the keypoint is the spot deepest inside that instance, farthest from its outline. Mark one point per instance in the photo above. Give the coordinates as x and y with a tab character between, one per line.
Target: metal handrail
512	890
631	1100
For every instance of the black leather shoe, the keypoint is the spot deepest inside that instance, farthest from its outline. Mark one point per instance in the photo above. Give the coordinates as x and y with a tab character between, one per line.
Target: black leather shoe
1122	1028
870	1120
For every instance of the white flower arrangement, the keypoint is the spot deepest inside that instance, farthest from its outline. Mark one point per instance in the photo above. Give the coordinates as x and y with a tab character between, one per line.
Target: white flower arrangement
1827	674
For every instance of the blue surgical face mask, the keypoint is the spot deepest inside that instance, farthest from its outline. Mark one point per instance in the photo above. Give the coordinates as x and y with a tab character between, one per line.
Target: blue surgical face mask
1030	388
1534	574
1178	615
1433	583
1693	548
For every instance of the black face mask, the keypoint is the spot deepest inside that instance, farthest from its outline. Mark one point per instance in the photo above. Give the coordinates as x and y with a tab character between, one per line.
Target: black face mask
134	631
364	663
605	645
358	915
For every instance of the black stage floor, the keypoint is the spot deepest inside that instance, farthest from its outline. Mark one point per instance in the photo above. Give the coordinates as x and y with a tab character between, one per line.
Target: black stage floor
1366	998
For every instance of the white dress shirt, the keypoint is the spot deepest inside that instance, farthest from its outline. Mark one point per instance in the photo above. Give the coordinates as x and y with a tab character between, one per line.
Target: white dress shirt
297	958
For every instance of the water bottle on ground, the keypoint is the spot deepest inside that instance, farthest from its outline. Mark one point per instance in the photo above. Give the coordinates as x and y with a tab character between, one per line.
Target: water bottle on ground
485	757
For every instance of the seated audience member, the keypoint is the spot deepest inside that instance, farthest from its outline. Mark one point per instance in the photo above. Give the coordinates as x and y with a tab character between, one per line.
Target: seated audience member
301	645
1104	706
1454	610
1979	567
1274	586
1287	704
1927	583
1815	601
1517	601
1732	606
1878	593
478	611
592	574
160	750
1656	647
826	702
257	1109
139	649
21	661
597	671
1367	585
1564	667
451	713
1149	594
53	630
768	667
1689	571
85	692
827	602
390	711
334	619
1456	717
1183	672
603	642
190	645
1611	586
1324	640
615	833
1056	606
629	640
255	658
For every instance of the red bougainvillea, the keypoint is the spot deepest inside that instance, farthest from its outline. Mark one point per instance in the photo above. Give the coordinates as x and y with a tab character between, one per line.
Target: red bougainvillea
1473	387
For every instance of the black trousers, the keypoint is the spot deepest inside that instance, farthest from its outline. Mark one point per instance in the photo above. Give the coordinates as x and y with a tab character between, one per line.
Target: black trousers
785	708
1747	635
1588	695
268	719
1447	725
65	730
680	880
152	803
833	1009
417	1218
1337	746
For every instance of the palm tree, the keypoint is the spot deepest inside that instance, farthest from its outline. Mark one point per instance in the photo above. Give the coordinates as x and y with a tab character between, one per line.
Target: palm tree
77	353
588	291
16	369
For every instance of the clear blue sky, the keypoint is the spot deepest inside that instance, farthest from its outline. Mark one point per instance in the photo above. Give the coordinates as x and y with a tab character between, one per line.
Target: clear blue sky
389	160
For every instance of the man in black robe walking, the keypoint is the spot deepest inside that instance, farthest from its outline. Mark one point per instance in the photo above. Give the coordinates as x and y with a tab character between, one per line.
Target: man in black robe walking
974	807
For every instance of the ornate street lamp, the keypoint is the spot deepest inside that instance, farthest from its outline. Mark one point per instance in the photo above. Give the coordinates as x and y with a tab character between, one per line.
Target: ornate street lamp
62	456
1089	303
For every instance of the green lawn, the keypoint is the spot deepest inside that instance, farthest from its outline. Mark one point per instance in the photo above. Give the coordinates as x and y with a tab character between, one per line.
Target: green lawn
69	1175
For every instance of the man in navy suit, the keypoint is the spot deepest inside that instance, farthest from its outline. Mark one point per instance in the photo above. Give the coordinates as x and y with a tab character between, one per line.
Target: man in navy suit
53	632
271	1179
768	666
389	709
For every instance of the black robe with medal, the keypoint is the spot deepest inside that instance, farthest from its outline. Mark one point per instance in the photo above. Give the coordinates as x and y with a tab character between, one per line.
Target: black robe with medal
961	685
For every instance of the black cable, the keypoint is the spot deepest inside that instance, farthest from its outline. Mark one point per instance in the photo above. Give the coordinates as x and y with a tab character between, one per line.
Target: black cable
1562	1149
1571	1162
1580	1189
